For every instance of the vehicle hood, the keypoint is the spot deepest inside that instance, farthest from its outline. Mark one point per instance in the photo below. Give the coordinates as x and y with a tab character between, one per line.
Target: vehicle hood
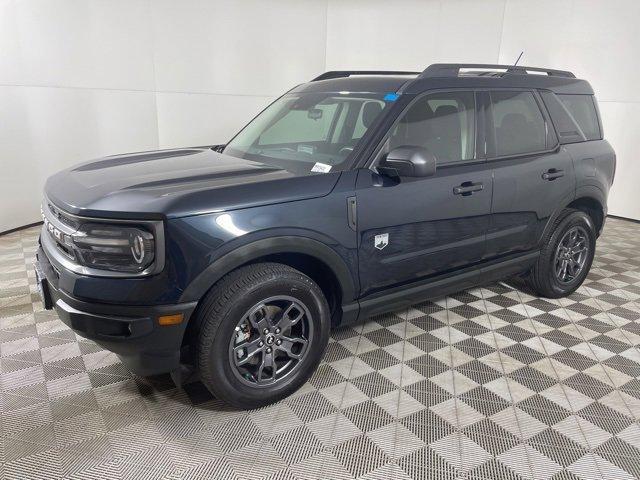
176	183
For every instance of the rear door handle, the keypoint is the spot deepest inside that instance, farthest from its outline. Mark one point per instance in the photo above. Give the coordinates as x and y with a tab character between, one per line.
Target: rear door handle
467	188
552	174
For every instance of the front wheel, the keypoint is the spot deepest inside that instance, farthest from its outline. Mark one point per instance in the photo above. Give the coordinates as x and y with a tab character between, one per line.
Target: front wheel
566	257
264	328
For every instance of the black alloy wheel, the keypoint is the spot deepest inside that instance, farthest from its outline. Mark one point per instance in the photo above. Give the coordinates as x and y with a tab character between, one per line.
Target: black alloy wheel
566	254
262	331
271	340
571	254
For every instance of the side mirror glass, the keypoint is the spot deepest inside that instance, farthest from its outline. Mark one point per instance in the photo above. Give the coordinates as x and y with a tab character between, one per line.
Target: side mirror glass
408	161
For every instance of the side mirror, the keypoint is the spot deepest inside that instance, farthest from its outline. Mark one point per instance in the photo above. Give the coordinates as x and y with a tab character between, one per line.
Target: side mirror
408	162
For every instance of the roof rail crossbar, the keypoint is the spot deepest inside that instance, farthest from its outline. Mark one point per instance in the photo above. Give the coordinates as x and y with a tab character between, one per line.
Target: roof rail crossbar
348	73
453	70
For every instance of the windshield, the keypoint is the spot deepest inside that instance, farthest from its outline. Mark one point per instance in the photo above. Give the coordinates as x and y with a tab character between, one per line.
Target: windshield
312	132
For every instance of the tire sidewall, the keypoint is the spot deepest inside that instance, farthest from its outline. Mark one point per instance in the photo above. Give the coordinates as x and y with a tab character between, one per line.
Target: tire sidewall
572	220
217	360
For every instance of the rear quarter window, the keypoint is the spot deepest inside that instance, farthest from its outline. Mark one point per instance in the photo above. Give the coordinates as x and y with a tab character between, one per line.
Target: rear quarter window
583	110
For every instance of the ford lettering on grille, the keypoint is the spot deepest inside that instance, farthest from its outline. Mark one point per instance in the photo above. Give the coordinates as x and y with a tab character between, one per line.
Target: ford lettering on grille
54	232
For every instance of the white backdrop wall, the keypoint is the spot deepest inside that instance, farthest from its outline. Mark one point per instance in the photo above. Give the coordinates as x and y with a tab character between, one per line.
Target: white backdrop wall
86	78
596	39
81	79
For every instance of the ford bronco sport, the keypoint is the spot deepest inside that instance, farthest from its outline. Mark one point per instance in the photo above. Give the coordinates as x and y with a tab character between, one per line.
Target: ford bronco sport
357	193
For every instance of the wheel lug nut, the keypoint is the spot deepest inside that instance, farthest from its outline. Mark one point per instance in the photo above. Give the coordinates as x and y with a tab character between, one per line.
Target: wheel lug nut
277	330
265	331
278	342
260	344
269	350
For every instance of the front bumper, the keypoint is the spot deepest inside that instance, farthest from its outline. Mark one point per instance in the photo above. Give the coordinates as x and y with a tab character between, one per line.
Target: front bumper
132	332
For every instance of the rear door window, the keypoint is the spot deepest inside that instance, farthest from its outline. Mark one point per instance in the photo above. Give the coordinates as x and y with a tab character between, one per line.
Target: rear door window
583	111
518	124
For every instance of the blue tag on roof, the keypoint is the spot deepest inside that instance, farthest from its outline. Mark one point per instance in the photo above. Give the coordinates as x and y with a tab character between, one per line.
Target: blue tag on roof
391	97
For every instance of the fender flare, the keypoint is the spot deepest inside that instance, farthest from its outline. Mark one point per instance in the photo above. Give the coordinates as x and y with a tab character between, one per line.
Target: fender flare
270	246
587	191
594	193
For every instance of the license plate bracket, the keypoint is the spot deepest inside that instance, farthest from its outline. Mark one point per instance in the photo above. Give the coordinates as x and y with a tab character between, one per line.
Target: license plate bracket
43	287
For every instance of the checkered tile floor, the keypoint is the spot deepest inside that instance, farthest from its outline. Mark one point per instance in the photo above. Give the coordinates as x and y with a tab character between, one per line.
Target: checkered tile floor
490	383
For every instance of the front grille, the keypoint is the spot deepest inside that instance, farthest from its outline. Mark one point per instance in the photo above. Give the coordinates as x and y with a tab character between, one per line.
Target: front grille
58	227
59	242
65	250
60	215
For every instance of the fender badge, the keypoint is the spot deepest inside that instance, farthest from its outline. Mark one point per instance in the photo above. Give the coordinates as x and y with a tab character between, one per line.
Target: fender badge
381	241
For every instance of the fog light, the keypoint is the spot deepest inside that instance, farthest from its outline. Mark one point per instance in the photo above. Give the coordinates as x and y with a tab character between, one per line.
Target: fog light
170	319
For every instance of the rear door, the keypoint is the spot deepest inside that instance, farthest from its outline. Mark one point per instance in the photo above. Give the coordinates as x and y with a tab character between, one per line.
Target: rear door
532	174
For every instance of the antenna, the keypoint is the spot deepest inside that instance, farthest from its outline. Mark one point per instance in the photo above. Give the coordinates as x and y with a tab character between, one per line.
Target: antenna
519	57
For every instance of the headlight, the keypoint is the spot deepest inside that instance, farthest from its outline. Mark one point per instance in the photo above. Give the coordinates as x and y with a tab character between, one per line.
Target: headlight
113	247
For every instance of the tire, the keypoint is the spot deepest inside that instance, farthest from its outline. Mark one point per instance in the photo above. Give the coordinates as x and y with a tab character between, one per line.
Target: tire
233	317
544	278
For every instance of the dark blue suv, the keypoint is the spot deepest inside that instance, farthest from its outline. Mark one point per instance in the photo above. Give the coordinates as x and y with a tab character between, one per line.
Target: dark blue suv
350	195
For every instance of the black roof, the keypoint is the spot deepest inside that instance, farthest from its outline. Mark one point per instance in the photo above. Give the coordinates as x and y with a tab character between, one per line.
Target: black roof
438	76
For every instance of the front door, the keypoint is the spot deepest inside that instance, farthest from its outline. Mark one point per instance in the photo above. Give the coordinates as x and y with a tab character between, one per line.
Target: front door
414	228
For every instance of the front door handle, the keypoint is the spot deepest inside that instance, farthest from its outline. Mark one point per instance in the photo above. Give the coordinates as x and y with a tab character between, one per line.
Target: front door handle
467	188
552	174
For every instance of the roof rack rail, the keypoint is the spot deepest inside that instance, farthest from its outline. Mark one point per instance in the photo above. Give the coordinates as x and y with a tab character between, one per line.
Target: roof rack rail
348	73
453	70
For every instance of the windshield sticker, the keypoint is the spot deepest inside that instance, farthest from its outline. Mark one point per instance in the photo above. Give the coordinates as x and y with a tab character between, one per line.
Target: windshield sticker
391	97
321	167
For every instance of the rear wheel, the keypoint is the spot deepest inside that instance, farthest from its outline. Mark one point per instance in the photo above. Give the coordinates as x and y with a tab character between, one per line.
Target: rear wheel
264	328
566	256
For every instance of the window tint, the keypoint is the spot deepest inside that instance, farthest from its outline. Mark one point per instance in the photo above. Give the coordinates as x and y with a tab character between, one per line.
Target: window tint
518	124
568	129
583	111
444	123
